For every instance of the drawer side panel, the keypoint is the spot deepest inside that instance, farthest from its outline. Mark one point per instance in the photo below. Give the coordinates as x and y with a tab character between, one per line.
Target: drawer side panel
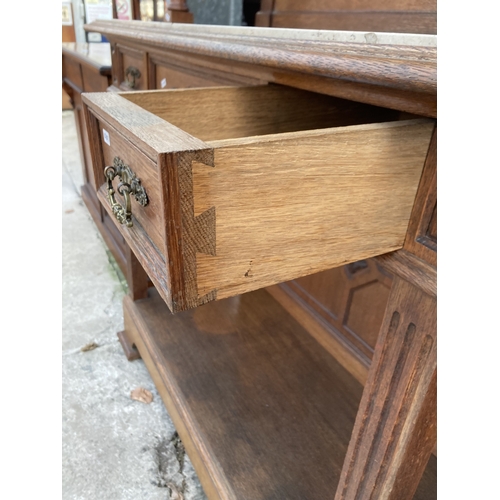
301	203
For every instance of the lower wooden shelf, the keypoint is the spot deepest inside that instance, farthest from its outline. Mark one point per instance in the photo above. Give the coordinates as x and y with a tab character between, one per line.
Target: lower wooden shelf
263	410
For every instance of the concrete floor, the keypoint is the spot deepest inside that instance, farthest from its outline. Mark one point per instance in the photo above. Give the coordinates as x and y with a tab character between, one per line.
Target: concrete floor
113	447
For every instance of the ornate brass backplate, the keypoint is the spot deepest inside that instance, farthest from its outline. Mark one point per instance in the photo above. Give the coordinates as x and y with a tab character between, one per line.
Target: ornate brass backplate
129	184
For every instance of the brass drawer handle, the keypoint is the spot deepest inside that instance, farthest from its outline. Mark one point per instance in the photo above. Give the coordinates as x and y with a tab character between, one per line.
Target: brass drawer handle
129	184
131	73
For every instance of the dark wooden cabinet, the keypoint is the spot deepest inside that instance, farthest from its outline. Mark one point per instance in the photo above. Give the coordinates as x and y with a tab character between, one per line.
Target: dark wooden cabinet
347	355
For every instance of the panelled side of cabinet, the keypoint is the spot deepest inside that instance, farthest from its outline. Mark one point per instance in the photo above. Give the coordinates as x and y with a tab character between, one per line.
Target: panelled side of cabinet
344	307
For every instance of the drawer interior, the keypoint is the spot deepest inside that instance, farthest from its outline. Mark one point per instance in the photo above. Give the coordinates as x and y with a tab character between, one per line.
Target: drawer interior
221	113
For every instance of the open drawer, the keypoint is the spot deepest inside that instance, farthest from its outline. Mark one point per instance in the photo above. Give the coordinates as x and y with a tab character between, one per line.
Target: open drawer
238	188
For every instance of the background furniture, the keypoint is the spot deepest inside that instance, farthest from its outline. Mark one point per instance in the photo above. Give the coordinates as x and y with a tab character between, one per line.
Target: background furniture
175	11
86	67
68	28
393	16
383	447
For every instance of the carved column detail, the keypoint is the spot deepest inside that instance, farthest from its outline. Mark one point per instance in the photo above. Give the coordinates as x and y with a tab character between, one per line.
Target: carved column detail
395	430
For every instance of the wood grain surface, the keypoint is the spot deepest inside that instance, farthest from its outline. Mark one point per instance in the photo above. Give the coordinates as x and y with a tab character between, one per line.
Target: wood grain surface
320	331
232	112
395	430
409	267
294	204
263	410
269	412
369	62
151	260
348	302
172	70
148	132
234	215
150	216
397	16
422	231
395	71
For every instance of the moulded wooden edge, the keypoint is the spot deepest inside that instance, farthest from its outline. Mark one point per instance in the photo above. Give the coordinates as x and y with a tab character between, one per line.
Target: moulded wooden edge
396	66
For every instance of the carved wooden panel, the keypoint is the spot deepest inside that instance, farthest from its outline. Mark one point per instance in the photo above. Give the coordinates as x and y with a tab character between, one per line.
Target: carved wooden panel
351	299
168	75
129	68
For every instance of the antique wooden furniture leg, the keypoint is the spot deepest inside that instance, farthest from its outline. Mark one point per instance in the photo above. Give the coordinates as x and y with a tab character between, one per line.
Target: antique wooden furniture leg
395	429
138	283
129	348
137	279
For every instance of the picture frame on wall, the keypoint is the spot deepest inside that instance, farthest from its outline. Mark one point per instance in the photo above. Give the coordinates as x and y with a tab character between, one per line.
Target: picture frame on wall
67	14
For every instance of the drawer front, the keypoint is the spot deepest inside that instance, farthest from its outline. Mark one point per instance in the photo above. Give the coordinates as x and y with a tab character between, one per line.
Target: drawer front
169	75
129	68
72	72
266	185
174	78
149	217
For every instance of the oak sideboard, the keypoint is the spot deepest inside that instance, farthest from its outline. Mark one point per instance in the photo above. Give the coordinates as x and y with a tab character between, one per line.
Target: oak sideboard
276	190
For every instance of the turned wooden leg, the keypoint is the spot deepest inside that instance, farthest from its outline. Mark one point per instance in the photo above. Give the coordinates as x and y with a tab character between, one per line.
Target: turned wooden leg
395	430
137	279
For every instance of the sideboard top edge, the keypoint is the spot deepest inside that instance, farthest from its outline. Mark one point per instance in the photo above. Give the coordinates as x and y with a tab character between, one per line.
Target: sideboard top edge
360	37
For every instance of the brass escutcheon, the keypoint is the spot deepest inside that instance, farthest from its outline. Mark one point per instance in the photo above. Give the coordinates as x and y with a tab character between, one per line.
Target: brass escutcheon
129	184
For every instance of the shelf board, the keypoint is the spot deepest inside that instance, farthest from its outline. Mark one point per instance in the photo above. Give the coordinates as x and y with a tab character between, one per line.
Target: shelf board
263	410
